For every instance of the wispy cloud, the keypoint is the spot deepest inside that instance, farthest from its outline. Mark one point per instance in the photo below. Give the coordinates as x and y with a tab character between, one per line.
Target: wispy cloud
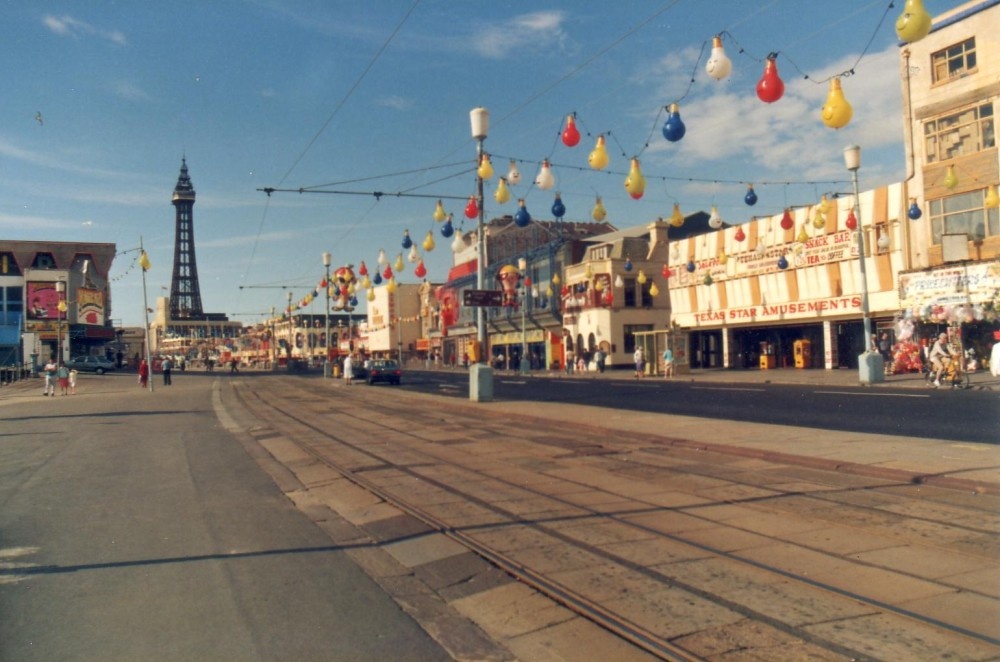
500	40
249	239
395	102
129	91
67	26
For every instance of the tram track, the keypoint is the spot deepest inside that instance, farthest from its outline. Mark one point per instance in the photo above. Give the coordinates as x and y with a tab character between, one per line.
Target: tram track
395	458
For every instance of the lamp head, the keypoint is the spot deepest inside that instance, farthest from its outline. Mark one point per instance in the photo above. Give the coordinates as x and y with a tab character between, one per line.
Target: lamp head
480	120
852	157
60	286
327	258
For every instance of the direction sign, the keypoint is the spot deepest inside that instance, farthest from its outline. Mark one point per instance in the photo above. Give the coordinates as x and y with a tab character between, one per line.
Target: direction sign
484	298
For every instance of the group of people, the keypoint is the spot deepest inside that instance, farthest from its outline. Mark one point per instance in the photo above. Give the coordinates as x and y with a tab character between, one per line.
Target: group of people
667	359
61	375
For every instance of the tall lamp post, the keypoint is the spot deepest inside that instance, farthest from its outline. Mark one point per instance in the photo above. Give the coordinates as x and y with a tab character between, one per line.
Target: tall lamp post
480	374
61	308
522	266
871	367
291	333
327	368
274	344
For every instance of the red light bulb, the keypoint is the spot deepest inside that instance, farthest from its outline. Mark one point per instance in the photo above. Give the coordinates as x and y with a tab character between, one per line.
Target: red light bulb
471	209
571	135
770	87
740	235
852	221
786	221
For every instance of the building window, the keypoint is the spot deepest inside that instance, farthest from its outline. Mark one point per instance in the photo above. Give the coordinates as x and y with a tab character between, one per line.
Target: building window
966	132
630	300
965	213
647	297
630	330
954	61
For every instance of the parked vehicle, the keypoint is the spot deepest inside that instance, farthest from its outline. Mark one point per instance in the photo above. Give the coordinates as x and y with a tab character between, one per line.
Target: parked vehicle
384	370
97	364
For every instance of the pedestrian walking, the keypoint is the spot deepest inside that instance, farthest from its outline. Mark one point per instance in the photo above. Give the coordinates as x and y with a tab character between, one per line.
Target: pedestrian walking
167	366
50	378
601	359
72	381
62	374
668	363
640	362
143	374
349	370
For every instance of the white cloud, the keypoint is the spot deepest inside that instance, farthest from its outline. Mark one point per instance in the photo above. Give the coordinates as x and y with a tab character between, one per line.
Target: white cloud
395	102
67	26
498	41
129	91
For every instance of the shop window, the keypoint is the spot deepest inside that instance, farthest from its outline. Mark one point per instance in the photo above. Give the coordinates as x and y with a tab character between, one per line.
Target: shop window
959	134
647	298
966	214
629	293
630	330
954	62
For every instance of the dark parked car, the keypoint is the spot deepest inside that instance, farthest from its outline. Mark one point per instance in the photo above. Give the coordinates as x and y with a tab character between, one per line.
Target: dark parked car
97	364
384	370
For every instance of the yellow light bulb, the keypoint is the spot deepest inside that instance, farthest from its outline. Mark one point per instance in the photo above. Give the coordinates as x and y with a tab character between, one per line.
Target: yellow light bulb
819	221
677	218
803	235
653	290
390	287
371	294
950	178
366	283
61	306
598	286
635	183
555	279
588	272
914	23
824	204
439	214
992	200
502	194
599	213
485	170
723	258
399	266
837	111
429	241
641	278
598	158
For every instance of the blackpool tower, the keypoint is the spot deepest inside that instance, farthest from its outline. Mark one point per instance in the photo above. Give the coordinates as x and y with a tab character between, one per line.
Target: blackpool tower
185	294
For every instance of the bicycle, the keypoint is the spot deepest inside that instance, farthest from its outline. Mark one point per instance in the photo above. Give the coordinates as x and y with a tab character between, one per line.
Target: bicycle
953	375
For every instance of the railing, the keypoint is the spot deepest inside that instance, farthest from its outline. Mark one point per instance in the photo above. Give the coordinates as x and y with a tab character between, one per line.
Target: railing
12	373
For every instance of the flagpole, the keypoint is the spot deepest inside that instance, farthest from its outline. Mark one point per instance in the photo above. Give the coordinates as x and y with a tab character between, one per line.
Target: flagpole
144	263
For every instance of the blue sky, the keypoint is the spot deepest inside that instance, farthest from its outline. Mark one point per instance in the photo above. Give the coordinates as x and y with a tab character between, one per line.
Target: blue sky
291	94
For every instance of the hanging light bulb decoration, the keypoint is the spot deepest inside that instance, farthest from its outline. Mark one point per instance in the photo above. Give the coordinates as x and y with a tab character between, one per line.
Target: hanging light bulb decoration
558	208
387	272
439	213
708	279
851	222
619	282
429	242
992	199
653	290
472	209
377	278
588	272
914	211
458	243
914	23
399	264
837	110
571	135
740	234
714	220
883	240
545	179
390	287
598	285
522	217
555	279
819	220
628	264
414	255
676	217
719	65
690	266
723	258
950	177
513	174
599	213
760	249
363	269
786	220
407	242
673	128
635	183
447	229
770	87
366	282
382	260
803	236
598	158
485	170
641	278
420	270
371	294
751	197
675	254
665	271
502	194
782	262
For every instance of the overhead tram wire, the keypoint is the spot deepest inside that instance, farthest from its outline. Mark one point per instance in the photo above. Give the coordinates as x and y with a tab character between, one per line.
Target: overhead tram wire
336	111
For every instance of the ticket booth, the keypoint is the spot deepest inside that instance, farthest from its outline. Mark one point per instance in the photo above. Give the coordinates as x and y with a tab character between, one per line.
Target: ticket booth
803	353
767	358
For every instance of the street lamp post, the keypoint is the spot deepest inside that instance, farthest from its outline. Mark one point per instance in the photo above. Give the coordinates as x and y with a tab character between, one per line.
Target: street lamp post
871	367
274	344
60	307
480	374
327	368
522	266
291	334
